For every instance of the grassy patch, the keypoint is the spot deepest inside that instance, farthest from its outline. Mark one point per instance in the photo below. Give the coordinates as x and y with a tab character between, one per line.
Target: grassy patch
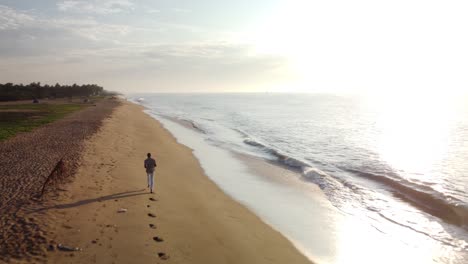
26	117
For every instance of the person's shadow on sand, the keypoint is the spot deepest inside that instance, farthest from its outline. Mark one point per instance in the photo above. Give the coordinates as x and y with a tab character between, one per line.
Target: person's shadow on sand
93	200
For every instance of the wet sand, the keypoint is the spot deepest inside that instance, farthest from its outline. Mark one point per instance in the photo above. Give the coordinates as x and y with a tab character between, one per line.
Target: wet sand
188	220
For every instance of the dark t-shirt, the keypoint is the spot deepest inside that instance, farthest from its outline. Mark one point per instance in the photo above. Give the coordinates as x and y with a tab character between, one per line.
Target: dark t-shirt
150	164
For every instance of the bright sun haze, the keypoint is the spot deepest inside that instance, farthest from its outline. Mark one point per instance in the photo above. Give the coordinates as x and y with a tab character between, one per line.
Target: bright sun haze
267	46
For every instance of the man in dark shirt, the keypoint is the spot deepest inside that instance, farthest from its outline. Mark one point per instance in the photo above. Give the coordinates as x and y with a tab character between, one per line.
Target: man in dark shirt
150	164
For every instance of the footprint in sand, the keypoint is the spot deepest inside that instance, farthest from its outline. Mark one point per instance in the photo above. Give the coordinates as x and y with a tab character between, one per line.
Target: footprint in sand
163	256
158	239
153	226
153	199
151	215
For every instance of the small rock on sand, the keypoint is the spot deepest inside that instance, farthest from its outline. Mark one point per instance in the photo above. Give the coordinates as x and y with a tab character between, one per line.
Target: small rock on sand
67	248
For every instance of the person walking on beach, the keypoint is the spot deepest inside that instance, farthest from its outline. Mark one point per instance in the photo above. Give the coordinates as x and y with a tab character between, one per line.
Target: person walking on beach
150	164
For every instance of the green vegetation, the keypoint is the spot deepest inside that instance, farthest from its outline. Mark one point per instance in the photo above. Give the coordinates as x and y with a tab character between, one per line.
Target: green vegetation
15	92
25	117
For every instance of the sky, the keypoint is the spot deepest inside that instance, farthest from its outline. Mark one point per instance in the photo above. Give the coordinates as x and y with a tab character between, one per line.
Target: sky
403	46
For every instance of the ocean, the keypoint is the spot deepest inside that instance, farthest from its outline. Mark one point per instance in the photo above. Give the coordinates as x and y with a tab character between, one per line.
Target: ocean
350	179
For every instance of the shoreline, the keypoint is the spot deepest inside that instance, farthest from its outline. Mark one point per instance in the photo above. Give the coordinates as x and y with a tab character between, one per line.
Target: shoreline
301	210
273	192
198	222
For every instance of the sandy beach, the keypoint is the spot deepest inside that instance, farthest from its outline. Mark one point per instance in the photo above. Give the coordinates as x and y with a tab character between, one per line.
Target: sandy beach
195	220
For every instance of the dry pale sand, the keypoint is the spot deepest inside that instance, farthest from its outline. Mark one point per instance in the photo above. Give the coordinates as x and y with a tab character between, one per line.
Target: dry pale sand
26	161
196	220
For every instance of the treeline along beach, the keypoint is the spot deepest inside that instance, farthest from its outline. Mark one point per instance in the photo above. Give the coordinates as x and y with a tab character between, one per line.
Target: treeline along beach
34	90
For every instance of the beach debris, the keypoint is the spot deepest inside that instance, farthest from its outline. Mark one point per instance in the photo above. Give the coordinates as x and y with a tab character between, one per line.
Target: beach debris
158	239
56	172
153	199
151	215
163	256
153	226
67	248
122	210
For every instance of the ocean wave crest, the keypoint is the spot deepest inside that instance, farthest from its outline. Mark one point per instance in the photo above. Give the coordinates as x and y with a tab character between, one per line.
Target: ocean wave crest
283	158
185	122
430	201
308	172
423	197
194	125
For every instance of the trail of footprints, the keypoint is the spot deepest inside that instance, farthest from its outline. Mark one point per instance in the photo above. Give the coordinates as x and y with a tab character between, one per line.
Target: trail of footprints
157	239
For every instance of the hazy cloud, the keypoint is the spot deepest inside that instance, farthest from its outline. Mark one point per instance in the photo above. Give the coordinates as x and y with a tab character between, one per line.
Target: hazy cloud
95	6
181	67
181	10
127	52
90	28
13	19
153	11
57	36
200	50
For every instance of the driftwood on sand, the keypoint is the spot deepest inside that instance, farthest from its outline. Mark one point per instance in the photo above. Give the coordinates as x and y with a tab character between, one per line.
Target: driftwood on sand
54	174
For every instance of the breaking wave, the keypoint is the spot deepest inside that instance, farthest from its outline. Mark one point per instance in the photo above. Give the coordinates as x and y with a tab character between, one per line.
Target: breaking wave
424	198
428	200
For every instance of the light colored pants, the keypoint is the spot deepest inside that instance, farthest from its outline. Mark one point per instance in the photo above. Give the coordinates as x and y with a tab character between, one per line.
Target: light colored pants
150	180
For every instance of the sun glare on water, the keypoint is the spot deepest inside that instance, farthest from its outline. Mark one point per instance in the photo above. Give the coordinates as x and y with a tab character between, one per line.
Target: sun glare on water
415	131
